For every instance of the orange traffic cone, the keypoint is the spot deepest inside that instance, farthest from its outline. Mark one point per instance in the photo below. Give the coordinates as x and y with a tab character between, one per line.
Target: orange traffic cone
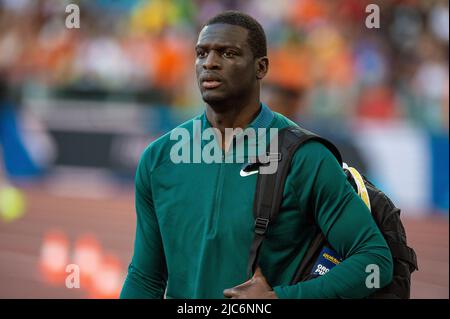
87	255
54	257
108	279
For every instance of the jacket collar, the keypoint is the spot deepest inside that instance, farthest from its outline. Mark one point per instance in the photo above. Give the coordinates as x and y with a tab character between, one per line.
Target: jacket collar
262	120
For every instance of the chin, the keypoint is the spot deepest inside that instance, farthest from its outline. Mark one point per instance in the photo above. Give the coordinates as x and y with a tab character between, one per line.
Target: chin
211	98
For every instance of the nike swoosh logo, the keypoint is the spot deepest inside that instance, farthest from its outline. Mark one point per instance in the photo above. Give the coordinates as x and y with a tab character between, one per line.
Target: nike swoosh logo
243	174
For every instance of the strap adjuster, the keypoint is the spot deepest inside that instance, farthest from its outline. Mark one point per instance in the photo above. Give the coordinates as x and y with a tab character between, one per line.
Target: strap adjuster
273	157
261	225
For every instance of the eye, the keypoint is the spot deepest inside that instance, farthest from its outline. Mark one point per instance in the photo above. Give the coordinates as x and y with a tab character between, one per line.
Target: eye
228	54
201	54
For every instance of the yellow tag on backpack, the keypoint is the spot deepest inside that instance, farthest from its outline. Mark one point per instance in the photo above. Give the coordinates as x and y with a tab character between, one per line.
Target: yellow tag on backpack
362	190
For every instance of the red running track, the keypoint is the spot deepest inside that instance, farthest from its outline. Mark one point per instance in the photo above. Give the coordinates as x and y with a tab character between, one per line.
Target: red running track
112	221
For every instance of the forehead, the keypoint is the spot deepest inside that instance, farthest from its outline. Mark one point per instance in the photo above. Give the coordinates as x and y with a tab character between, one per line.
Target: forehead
220	35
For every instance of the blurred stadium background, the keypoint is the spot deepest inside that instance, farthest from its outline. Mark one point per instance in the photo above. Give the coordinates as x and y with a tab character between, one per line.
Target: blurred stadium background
78	106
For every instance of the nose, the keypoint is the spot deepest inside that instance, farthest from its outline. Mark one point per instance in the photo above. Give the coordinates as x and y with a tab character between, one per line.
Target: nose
211	62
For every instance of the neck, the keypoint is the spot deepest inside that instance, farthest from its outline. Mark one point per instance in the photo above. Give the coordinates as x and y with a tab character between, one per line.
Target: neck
231	116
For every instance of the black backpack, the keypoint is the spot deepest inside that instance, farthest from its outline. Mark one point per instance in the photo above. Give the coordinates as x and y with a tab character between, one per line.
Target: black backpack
267	202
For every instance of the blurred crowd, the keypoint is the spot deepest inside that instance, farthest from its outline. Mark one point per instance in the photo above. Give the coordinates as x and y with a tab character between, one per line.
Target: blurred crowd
327	69
325	62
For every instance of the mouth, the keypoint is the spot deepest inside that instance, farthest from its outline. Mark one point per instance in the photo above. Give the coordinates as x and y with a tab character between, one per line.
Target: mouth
210	81
210	84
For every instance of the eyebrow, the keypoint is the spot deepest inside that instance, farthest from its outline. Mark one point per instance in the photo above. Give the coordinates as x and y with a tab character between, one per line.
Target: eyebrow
217	46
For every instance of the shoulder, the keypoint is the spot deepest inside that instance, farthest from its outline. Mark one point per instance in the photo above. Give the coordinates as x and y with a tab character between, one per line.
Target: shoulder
280	121
314	151
315	170
158	151
313	163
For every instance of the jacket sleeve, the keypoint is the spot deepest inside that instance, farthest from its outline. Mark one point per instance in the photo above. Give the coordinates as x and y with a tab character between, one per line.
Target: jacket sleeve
147	272
346	222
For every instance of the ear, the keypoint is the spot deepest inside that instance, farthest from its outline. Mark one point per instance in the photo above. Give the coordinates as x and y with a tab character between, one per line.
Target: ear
262	67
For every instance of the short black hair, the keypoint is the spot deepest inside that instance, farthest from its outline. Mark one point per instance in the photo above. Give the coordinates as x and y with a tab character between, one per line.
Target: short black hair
256	36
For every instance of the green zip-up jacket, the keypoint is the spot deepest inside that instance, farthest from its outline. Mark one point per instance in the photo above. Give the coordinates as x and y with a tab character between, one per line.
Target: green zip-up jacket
195	225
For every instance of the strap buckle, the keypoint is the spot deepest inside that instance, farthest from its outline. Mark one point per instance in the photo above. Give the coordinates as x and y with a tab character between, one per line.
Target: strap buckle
273	157
261	225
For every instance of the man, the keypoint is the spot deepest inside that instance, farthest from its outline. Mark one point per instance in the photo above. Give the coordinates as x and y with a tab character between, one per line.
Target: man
194	220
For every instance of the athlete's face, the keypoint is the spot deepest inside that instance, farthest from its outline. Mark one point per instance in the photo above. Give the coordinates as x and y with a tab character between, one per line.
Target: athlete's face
226	68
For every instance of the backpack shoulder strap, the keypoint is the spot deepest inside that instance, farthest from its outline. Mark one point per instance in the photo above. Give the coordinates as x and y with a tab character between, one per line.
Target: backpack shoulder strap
270	187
